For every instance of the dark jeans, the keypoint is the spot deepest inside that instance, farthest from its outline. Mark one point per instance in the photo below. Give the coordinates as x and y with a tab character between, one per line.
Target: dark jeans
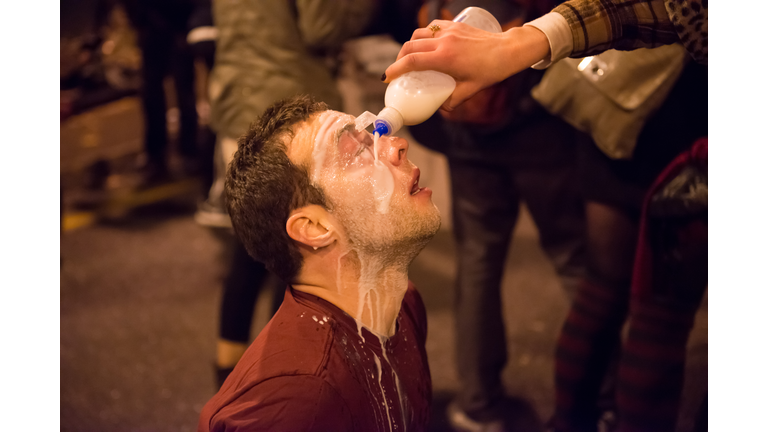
486	194
242	286
165	51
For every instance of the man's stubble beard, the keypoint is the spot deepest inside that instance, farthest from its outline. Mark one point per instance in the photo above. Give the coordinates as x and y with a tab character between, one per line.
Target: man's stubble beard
395	237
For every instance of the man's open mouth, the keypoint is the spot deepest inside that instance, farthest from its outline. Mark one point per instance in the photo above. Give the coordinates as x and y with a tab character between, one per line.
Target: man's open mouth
415	182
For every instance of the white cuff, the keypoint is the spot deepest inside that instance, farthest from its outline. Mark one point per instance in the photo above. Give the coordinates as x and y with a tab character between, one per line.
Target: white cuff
202	34
558	32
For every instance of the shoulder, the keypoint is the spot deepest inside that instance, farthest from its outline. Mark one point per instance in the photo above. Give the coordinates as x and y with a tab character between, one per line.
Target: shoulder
296	341
290	403
285	367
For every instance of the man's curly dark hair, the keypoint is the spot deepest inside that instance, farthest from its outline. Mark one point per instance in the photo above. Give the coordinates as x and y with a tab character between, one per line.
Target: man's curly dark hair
263	186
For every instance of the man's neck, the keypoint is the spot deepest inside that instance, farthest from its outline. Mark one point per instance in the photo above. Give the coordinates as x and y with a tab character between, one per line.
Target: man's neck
364	286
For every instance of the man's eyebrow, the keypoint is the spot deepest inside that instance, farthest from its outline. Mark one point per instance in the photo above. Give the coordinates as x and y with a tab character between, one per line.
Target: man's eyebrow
346	128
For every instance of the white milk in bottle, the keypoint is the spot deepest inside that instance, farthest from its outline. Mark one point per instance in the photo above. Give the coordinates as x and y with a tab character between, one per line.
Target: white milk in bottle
413	97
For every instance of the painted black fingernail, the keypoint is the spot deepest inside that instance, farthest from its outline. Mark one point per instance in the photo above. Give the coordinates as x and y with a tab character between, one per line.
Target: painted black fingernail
383	76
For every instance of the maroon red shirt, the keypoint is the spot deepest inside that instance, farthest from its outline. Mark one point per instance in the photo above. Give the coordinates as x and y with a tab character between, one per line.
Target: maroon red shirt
309	370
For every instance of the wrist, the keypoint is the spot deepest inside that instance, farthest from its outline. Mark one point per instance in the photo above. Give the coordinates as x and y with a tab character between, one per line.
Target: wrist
558	33
525	47
537	44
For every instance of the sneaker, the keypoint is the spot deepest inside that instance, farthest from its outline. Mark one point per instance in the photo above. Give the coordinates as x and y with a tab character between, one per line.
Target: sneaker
460	421
212	216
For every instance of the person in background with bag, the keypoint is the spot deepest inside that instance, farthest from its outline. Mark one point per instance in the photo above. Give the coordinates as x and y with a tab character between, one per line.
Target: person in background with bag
502	148
650	374
661	309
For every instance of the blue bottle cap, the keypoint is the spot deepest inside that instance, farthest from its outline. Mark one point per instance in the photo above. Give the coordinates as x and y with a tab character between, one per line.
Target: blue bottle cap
381	127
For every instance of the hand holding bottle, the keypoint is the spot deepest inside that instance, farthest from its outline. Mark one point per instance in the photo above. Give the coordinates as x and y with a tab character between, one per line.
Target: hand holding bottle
476	59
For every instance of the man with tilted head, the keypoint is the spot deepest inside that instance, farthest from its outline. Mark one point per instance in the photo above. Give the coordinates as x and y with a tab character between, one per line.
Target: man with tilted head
339	218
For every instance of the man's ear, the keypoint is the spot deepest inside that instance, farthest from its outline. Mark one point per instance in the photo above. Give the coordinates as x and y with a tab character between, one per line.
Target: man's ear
311	226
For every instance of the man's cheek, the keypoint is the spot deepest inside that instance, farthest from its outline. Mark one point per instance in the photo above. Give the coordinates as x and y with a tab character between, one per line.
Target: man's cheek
361	162
358	179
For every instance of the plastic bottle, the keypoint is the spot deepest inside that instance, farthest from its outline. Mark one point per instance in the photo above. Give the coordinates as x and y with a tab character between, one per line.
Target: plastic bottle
413	97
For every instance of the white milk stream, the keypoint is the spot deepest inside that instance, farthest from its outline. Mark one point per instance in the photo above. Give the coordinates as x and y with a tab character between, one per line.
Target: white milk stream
383	181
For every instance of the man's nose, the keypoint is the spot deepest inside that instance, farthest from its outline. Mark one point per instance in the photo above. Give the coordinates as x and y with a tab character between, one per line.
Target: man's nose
398	150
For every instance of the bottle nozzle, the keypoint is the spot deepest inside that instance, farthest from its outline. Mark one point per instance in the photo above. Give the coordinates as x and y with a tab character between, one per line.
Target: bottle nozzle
381	127
388	122
364	120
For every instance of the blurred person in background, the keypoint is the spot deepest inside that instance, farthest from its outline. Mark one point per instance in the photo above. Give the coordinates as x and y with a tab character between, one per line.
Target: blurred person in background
202	42
265	51
502	148
163	27
661	312
99	59
665	294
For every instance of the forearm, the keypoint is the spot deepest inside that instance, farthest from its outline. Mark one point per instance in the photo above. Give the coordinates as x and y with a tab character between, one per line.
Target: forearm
600	25
579	28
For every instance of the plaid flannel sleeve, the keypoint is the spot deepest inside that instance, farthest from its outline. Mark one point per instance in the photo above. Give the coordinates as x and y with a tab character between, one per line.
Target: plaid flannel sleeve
599	25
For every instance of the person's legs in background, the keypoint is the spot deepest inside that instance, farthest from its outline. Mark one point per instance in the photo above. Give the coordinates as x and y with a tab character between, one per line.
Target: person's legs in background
548	180
670	281
246	278
554	199
590	336
592	327
205	49
241	289
183	72
485	209
551	192
653	362
155	44
490	172
212	212
652	365
614	190
165	51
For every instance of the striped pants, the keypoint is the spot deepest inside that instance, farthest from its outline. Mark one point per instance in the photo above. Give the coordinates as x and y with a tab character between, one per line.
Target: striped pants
650	375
